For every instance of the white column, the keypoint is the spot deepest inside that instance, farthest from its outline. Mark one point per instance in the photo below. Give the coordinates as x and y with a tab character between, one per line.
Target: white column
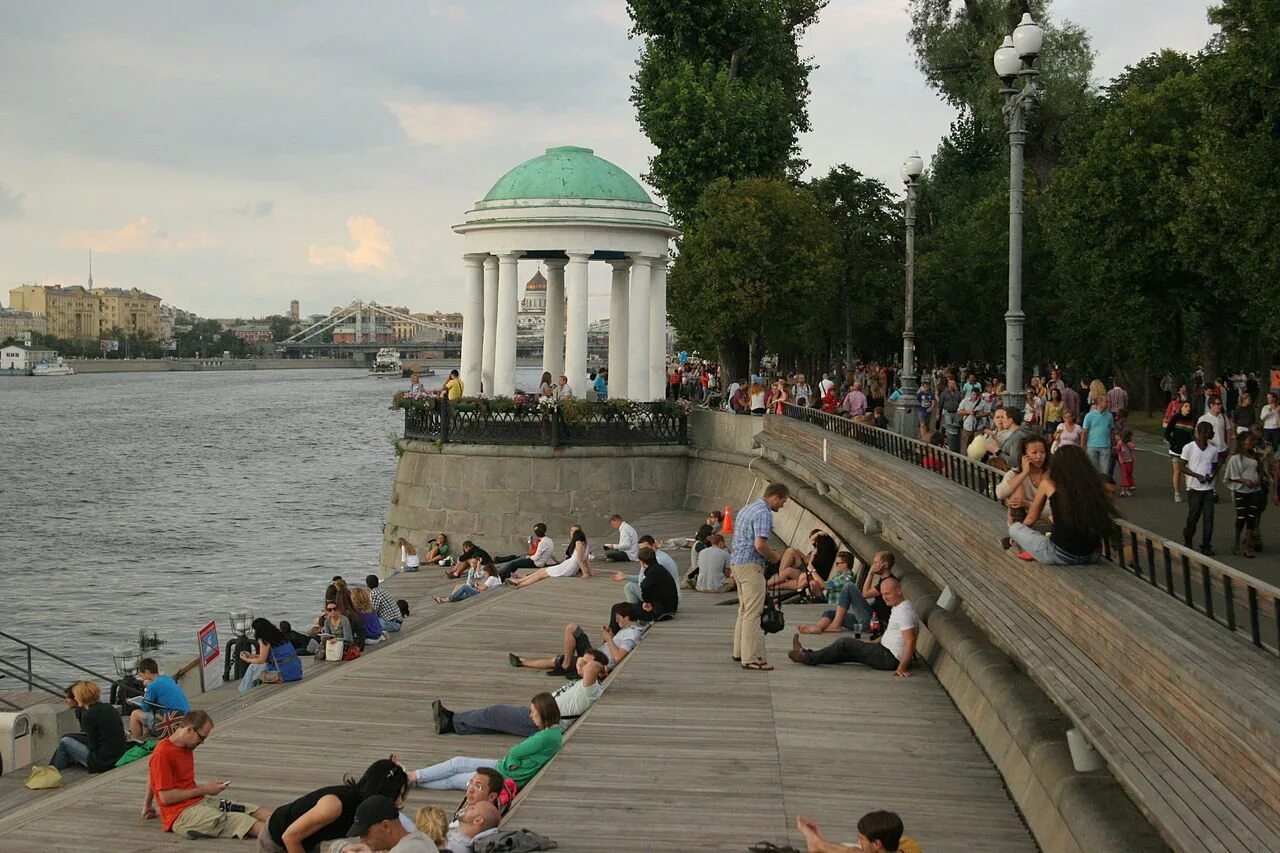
504	362
618	329
638	330
658	329
473	324
490	323
575	341
553	330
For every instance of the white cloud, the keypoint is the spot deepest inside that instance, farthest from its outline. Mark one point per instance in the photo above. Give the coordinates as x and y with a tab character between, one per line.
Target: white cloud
443	124
139	237
371	252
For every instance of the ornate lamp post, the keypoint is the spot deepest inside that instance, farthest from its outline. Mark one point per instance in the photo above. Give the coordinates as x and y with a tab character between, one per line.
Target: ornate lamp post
1015	65
912	168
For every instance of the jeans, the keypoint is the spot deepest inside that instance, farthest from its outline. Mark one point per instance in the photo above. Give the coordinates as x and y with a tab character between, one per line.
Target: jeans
1042	548
451	775
849	650
463	592
631	591
857	611
1101	458
391	625
510	719
71	750
748	638
251	673
506	570
1199	504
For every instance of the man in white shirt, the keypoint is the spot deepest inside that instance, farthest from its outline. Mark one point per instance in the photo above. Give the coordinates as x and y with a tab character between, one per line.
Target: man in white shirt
628	545
573	699
1199	461
1222	432
825	385
543	554
616	645
894	649
477	820
801	391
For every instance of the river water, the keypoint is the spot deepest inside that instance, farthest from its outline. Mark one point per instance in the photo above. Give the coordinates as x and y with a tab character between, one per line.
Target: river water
163	500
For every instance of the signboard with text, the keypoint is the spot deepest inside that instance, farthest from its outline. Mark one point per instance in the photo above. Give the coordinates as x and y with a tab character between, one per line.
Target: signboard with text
210	657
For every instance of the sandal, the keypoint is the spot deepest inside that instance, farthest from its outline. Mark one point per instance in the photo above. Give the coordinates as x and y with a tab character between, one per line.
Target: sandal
759	665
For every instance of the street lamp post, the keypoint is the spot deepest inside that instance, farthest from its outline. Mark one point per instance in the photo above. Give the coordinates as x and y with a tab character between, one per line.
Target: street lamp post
1015	63
908	402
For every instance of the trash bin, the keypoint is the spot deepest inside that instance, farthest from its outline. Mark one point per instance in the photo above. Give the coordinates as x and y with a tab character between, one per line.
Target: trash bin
15	741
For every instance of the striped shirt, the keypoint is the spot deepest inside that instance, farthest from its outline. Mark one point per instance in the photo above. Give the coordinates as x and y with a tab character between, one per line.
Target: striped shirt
754	519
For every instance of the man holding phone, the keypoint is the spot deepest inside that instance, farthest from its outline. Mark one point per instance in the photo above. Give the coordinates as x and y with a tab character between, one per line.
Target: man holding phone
187	808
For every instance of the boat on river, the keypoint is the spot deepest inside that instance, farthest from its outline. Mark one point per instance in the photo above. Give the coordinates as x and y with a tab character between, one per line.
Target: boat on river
58	367
387	364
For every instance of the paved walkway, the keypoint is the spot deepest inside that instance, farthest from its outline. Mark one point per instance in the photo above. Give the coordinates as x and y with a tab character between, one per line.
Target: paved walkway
1153	508
686	751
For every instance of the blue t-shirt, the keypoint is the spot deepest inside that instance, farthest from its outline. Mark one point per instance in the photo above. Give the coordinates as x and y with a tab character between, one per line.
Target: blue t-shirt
164	694
1099	426
754	519
602	387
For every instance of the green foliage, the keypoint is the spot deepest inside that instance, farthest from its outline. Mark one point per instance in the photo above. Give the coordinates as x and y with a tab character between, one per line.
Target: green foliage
282	327
869	230
721	91
758	266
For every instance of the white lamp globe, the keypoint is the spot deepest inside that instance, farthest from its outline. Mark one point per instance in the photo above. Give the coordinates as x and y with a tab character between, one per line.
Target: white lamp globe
1006	59
912	168
1028	37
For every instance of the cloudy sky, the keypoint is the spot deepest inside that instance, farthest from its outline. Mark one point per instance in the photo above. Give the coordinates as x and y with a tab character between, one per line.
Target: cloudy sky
232	156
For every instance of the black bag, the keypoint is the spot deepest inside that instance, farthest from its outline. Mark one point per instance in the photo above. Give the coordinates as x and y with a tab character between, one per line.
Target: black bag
771	619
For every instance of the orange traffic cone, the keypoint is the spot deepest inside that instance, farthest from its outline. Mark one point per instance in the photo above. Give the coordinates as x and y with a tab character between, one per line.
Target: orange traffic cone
727	527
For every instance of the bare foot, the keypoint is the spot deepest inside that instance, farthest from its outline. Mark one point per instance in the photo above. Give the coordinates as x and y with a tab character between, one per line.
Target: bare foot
438	599
809	629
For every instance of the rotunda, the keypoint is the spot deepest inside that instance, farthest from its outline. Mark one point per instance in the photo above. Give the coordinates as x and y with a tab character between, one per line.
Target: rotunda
567	208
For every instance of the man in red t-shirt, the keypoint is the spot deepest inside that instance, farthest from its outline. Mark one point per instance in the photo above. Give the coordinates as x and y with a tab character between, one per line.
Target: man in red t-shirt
187	808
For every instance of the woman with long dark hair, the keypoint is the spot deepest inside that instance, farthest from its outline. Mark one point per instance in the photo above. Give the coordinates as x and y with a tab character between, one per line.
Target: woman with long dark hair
1179	430
575	562
275	660
327	813
1083	515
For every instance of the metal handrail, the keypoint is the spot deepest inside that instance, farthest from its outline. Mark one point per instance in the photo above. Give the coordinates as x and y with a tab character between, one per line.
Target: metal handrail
1202	583
28	674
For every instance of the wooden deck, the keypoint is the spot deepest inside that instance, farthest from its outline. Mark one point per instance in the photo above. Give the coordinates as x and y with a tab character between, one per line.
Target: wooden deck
686	751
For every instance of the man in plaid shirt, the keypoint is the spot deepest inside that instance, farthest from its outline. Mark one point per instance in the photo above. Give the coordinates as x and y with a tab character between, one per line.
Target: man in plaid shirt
388	611
751	554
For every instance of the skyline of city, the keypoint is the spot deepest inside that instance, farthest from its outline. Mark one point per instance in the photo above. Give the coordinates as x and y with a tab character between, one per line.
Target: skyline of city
347	187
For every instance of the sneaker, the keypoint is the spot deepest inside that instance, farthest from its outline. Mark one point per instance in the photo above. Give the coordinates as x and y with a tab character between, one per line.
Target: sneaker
1177	497
514	660
1207	551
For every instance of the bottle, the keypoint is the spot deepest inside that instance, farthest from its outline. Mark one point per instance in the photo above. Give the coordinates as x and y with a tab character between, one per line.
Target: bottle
874	627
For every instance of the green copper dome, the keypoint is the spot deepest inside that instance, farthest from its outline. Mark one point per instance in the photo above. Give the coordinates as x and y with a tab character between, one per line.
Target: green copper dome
568	172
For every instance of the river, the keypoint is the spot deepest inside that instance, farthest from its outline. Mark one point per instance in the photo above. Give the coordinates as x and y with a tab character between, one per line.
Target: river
163	500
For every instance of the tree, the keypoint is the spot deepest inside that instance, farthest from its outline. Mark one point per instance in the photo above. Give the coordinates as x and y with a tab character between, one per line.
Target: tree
757	273
721	91
281	327
868	226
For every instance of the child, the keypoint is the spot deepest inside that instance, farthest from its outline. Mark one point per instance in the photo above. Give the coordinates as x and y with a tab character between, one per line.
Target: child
1124	452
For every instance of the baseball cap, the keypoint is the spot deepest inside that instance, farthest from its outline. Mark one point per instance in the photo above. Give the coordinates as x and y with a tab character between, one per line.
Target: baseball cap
374	810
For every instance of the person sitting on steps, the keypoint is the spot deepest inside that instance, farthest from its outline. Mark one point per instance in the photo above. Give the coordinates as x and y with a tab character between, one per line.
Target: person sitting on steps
576	562
624	550
857	604
878	832
797	570
163	698
892	651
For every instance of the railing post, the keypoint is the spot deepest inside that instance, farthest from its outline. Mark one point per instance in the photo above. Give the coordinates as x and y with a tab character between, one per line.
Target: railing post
30	688
444	419
1230	596
1207	583
555	427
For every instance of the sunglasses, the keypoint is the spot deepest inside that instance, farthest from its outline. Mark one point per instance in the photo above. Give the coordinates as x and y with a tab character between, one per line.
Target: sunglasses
330	609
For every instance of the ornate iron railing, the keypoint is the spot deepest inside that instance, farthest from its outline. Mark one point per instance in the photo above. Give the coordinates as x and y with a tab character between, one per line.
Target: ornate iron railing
1237	601
581	425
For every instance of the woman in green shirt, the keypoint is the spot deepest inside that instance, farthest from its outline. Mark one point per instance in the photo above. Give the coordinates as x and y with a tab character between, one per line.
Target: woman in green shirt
519	765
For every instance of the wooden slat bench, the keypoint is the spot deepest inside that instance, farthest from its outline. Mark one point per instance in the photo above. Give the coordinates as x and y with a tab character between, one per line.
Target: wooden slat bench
1186	713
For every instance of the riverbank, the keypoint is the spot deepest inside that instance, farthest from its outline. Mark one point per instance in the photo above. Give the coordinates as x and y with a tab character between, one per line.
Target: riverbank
166	365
